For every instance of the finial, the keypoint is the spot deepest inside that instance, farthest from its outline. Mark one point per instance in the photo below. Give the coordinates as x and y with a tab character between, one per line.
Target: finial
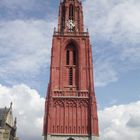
15	122
55	29
11	104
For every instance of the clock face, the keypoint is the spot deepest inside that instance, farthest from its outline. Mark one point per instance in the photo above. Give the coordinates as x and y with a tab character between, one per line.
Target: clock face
70	25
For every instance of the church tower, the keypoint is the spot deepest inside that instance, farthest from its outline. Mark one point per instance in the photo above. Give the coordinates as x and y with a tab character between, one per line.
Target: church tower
70	107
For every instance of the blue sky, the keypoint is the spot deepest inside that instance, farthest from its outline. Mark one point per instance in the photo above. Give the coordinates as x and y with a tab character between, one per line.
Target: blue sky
26	29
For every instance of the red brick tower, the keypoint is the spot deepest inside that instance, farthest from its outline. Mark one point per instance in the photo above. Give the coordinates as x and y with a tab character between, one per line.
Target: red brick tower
70	109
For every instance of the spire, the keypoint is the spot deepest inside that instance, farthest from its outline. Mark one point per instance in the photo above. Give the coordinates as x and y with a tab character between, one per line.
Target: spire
11	104
15	122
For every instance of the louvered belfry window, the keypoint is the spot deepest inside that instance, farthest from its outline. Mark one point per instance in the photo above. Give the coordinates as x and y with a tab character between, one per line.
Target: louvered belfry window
71	12
71	62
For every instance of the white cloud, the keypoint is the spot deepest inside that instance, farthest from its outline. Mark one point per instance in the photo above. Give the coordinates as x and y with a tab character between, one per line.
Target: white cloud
120	122
104	73
28	107
22	4
116	21
114	26
131	54
24	46
116	123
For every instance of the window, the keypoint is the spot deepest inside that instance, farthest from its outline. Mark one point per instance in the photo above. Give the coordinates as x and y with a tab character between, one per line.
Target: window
71	55
78	18
74	57
63	18
71	12
5	135
70	76
67	57
71	60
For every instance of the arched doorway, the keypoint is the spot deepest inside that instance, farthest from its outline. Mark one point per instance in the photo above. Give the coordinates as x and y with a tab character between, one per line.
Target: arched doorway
70	139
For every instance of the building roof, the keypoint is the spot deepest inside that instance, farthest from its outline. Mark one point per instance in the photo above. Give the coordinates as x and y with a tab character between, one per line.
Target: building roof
6	117
3	111
3	114
7	122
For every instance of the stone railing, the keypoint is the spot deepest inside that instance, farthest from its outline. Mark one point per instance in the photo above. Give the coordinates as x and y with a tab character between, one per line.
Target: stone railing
71	33
70	93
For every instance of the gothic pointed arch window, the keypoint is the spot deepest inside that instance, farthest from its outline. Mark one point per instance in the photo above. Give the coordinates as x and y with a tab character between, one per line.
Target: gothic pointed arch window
71	55
71	76
67	57
74	57
71	12
63	18
71	63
